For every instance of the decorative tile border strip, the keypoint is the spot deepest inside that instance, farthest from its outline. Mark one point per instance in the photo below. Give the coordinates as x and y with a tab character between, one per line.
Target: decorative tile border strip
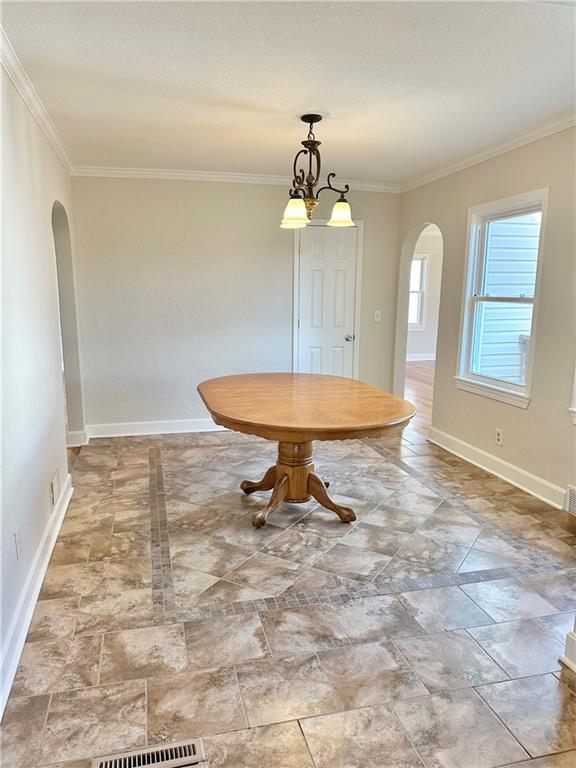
163	602
327	597
163	589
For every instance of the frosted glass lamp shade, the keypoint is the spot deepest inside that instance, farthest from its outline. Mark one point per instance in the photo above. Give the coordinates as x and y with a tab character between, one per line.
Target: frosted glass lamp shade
295	216
341	215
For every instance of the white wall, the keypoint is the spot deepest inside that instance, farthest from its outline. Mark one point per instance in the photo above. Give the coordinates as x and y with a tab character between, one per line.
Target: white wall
539	441
33	432
422	341
179	281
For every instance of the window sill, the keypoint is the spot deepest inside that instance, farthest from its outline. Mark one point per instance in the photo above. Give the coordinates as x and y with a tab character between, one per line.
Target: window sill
495	393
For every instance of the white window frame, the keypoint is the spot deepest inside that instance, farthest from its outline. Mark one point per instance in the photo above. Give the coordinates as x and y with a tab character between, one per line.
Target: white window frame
421	324
497	389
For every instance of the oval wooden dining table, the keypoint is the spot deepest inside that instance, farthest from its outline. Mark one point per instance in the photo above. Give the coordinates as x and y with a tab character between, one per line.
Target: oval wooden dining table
294	409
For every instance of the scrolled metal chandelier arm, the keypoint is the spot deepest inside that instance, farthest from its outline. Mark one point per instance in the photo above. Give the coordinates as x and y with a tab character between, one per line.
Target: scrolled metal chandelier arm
299	176
329	185
303	193
314	178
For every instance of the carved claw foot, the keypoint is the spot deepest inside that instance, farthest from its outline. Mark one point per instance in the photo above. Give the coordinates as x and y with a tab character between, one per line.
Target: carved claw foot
267	482
279	493
317	489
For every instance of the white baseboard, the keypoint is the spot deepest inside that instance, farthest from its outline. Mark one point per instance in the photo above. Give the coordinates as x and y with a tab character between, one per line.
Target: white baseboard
132	428
526	481
415	357
77	438
18	629
569	656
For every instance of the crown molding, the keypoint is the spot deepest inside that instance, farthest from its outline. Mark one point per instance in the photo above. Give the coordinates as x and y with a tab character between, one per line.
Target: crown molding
547	129
222	176
19	77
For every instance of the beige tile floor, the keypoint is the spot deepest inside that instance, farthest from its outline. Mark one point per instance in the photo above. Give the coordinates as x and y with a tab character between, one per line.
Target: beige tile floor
425	634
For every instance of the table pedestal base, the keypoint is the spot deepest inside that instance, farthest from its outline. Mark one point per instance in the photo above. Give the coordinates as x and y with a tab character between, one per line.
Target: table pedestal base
293	479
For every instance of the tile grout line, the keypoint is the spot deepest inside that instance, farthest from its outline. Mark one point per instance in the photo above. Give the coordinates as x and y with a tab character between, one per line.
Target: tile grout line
44	725
100	659
331	686
244	710
500	720
299	722
487	652
401	724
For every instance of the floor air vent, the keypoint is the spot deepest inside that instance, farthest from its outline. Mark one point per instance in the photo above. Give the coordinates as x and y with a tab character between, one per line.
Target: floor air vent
571	500
179	755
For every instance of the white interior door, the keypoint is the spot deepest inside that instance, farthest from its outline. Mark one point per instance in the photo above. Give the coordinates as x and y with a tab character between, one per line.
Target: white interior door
327	290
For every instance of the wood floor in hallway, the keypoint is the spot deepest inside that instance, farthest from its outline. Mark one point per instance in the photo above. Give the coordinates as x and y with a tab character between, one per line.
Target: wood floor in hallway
419	389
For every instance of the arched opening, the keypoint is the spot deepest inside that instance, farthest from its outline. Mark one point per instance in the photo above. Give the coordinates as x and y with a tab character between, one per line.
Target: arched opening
74	406
419	286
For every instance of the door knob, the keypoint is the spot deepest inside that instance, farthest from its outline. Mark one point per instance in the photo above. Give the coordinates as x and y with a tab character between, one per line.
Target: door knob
350	337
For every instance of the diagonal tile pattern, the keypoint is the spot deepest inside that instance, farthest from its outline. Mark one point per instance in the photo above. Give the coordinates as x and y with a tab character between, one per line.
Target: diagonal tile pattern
539	711
443	608
364	738
521	648
199	702
419	636
457	729
285	688
372	673
309	628
508	599
449	660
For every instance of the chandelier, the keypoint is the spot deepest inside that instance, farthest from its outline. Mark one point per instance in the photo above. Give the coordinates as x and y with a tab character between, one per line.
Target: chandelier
303	193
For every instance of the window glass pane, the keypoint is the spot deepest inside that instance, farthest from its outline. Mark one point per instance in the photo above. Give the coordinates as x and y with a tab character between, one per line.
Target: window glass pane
414	308
501	336
512	255
416	275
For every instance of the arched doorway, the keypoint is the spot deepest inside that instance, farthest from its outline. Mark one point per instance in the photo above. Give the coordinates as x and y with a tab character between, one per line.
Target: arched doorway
68	327
419	286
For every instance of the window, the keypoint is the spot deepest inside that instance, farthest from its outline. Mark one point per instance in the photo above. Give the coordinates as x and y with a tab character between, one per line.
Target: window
416	295
501	286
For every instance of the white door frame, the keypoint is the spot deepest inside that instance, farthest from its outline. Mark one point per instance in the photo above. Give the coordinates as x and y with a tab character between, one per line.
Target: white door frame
357	294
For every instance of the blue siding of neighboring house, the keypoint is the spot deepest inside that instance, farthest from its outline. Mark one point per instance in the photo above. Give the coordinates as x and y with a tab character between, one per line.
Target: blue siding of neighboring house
502	330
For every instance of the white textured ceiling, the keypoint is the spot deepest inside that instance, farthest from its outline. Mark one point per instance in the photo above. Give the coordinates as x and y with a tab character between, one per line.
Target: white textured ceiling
406	88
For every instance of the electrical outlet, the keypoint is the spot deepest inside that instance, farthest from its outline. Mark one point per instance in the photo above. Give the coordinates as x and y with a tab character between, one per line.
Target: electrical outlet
377	315
18	543
499	438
